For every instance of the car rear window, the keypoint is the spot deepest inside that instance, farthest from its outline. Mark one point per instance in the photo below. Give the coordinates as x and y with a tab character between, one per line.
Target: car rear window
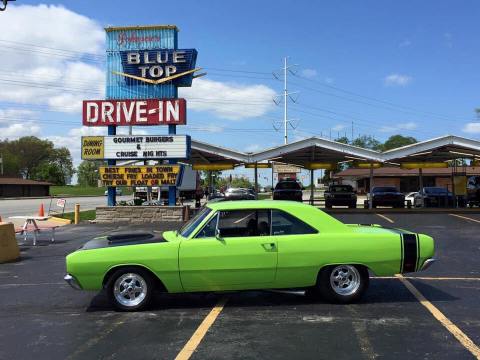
435	190
287	185
384	189
341	188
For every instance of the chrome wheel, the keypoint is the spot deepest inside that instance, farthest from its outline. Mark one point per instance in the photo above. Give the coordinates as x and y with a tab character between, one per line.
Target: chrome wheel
345	280
130	289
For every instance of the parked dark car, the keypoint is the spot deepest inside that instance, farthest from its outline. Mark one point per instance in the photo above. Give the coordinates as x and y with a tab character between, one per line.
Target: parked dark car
387	196
288	190
473	191
239	194
433	196
340	195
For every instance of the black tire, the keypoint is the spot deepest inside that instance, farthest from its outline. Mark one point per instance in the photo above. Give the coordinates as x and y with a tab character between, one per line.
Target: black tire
353	206
358	275
328	205
139	278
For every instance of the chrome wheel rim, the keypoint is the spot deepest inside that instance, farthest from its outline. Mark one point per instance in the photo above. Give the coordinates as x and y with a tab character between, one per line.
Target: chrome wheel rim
345	280
130	289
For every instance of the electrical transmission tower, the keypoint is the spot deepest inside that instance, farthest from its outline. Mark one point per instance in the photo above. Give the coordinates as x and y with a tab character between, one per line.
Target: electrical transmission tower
293	123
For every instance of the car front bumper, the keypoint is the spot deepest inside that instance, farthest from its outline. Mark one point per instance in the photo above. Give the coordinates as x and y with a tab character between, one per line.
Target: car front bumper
72	282
428	263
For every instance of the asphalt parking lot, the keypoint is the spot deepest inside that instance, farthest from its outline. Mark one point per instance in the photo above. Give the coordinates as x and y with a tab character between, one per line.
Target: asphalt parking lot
43	318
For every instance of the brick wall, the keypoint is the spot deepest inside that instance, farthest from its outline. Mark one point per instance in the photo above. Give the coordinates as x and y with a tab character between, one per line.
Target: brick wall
139	214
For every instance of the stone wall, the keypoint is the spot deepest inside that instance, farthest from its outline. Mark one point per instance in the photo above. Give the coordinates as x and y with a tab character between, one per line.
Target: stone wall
140	214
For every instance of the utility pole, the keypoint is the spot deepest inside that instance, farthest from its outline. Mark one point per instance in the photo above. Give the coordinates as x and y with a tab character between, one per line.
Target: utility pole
285	101
285	95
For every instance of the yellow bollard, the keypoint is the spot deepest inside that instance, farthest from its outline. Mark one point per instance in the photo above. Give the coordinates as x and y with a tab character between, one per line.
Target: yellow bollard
77	214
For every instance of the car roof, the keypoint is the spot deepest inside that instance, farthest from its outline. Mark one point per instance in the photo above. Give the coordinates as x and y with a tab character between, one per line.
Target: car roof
310	214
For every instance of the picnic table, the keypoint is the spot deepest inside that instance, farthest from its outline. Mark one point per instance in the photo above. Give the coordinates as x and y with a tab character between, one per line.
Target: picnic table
30	224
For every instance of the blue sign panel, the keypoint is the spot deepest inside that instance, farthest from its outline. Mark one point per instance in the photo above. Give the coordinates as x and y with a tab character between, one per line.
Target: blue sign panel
158	66
121	40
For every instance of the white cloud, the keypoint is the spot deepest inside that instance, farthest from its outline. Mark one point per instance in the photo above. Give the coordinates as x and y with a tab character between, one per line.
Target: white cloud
397	80
329	80
17	130
399	127
405	43
52	56
229	100
253	148
309	73
472	128
338	127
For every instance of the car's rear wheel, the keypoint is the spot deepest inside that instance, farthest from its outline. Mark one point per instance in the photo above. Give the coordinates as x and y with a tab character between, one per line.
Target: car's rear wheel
130	289
342	283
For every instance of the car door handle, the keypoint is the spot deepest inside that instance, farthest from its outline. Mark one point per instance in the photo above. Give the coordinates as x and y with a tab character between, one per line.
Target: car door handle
269	246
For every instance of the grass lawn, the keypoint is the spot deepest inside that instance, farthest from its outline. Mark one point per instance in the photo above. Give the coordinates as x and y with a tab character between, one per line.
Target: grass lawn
75	190
84	215
262	196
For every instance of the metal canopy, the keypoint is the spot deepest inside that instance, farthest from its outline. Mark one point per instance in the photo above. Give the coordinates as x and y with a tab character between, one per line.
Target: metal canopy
316	149
435	150
203	153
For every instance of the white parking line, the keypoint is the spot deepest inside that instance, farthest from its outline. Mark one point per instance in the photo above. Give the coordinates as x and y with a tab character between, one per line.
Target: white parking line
465	218
386	218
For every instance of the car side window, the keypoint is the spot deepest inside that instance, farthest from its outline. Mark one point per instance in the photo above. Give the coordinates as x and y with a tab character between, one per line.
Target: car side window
286	224
244	223
208	229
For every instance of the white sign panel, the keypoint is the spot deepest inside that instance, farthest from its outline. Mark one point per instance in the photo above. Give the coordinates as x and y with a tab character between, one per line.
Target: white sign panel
141	147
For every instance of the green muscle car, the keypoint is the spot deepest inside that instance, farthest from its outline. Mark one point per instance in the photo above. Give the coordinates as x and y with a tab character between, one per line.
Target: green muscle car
243	245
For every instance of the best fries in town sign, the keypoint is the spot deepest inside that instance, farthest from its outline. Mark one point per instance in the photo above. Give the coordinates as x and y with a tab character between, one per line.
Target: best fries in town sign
156	175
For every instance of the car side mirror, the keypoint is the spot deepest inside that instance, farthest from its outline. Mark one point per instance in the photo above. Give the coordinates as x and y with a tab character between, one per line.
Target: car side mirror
218	234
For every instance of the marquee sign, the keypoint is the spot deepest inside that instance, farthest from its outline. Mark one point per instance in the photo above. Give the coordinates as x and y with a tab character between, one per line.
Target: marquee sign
157	175
134	112
135	147
158	66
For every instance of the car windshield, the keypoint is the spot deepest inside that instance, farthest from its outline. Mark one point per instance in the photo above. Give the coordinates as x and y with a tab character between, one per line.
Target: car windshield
191	225
287	185
341	188
384	189
435	190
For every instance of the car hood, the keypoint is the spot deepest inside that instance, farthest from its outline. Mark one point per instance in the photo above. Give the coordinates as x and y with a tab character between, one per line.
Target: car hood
123	239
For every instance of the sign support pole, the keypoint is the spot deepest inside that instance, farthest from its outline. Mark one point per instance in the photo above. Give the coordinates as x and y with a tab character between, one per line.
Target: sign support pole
172	190
111	190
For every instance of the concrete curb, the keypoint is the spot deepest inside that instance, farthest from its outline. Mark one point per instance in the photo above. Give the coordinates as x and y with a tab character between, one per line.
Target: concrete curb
61	220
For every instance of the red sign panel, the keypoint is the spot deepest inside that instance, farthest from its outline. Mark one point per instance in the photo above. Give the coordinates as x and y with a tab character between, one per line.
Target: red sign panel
134	112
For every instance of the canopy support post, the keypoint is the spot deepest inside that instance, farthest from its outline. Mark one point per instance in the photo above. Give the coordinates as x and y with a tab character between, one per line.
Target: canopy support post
420	184
311	187
370	202
256	181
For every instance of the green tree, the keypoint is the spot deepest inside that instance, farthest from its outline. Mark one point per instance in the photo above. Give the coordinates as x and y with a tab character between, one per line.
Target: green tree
367	142
396	141
32	158
87	172
343	140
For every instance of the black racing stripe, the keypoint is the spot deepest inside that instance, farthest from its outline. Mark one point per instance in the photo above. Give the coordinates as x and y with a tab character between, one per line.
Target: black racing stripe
409	252
418	252
401	253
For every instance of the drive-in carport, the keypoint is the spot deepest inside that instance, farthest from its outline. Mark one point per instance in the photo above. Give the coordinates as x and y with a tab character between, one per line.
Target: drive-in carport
434	153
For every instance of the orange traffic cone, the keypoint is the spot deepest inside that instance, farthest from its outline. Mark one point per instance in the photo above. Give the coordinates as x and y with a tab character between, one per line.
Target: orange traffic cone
41	211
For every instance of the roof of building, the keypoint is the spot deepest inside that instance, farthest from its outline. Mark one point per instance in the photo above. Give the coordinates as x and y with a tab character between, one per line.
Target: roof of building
396	172
20	181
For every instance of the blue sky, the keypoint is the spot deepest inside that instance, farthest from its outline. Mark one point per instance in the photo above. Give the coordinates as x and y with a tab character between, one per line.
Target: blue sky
391	67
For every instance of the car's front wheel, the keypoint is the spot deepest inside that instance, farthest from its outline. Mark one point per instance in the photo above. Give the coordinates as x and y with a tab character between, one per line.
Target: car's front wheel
342	283
130	289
